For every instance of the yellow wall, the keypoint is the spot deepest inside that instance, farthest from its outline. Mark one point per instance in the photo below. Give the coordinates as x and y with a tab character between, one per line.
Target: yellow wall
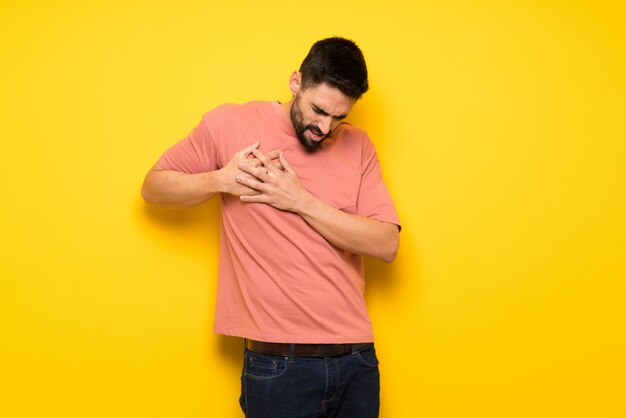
501	127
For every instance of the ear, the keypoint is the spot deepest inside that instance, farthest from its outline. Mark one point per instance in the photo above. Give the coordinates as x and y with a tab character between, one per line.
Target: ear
295	82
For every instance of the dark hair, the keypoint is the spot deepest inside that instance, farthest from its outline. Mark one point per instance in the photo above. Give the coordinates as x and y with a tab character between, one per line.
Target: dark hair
337	62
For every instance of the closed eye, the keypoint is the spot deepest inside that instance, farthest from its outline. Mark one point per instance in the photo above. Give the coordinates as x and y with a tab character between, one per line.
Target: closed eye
322	112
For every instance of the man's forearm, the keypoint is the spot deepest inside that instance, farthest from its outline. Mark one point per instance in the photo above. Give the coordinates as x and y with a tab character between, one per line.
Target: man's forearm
353	233
281	188
174	188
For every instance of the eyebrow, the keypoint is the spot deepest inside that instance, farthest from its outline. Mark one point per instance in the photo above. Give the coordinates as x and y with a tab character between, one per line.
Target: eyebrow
321	111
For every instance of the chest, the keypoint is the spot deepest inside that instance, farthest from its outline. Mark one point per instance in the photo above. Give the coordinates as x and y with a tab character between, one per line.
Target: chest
332	173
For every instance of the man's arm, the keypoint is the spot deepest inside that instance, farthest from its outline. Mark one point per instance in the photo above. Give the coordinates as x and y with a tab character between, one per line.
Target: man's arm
353	233
174	188
282	189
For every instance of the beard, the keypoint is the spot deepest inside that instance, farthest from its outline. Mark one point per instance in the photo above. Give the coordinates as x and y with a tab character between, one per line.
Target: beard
297	120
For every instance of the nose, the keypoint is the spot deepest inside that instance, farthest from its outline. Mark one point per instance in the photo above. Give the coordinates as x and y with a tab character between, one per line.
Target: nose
326	124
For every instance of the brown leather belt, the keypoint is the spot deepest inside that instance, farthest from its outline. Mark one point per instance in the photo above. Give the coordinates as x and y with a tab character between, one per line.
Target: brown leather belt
304	350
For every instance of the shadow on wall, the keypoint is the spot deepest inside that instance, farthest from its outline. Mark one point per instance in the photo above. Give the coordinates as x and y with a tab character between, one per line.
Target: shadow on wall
230	350
379	278
198	218
192	231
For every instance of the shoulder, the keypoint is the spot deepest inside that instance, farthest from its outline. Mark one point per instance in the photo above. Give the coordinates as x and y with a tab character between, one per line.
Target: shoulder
353	137
252	106
233	111
349	132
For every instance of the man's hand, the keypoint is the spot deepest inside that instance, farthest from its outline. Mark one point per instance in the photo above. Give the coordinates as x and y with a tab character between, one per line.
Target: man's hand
279	186
175	188
274	184
231	171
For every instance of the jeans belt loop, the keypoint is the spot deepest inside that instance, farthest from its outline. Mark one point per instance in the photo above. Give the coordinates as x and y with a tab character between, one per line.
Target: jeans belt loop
292	353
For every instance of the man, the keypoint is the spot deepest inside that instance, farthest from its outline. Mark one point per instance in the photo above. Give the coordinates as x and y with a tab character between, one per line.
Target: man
302	201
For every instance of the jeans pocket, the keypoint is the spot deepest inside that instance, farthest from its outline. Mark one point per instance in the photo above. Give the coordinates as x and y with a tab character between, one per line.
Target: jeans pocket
367	357
264	367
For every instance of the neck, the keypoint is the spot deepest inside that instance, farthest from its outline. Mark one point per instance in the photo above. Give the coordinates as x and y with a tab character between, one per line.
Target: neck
286	109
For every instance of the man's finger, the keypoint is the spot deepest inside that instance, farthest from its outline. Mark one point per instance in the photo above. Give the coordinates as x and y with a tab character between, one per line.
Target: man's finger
255	170
258	198
247	150
251	183
266	162
273	154
283	161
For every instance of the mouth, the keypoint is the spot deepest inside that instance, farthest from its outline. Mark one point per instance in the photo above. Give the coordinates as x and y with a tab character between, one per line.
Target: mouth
316	135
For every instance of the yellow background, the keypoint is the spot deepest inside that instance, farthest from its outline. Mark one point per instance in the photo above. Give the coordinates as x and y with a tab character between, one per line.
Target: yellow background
501	128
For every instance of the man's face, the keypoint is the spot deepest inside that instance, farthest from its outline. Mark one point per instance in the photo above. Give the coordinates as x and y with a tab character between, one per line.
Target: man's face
316	112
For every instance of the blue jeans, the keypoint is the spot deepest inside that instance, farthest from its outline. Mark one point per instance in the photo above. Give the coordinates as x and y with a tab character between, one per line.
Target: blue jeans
302	387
